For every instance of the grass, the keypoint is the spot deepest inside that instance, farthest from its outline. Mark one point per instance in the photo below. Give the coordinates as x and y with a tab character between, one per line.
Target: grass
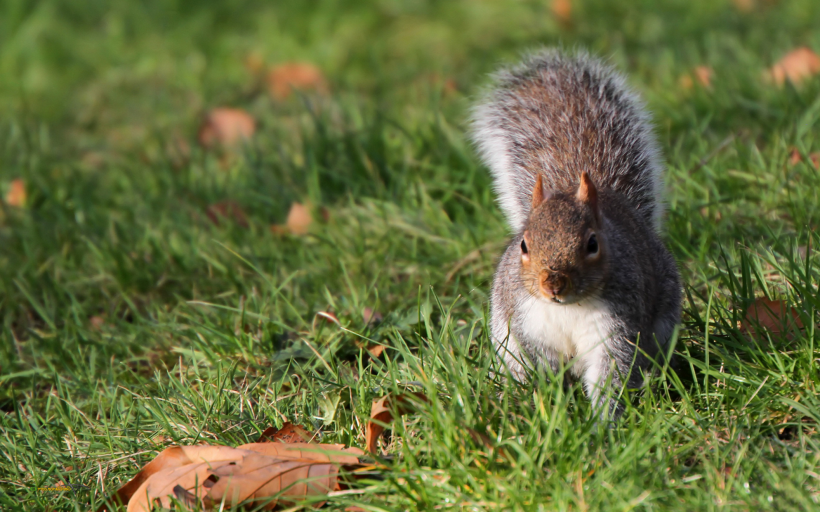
208	332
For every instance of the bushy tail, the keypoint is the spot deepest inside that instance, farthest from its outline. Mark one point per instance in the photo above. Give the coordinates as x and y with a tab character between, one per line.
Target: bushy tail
560	114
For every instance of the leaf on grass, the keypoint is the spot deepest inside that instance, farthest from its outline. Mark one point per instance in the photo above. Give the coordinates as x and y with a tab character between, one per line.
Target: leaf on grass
744	5
375	350
795	158
227	210
298	221
96	322
796	66
562	9
770	315
702	75
382	414
370	315
226	128
16	195
266	473
300	76
289	433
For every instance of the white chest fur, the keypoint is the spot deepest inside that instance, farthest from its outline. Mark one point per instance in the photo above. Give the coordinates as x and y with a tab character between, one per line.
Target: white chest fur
569	330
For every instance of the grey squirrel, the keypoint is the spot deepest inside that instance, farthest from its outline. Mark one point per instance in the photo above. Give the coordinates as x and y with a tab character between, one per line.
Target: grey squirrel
586	279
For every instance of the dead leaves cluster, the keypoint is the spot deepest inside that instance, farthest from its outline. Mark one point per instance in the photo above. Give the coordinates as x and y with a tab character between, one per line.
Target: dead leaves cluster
796	67
284	467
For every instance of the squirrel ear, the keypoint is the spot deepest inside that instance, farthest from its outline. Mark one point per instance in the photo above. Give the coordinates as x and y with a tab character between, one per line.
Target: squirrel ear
538	194
587	192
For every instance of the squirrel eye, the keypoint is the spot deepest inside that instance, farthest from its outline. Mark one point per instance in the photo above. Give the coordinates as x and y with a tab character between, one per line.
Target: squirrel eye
523	247
592	244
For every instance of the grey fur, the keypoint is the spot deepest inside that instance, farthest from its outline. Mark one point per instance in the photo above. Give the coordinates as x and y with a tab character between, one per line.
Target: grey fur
559	115
515	132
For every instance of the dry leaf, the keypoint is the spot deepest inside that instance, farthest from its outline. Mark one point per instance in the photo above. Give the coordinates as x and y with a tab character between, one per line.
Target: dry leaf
207	475
228	210
795	157
226	128
371	316
381	413
704	76
562	10
701	74
375	350
770	315
96	322
16	196
744	5
796	66
301	76
298	221
289	433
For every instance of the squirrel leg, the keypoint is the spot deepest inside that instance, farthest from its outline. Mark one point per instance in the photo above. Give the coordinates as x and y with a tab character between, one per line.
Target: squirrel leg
609	368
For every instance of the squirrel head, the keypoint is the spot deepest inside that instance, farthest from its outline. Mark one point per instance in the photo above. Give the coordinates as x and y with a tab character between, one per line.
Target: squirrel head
563	251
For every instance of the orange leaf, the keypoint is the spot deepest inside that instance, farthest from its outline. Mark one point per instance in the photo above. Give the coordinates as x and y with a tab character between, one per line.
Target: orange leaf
207	475
704	75
299	219
770	315
562	9
16	196
302	76
226	127
796	66
289	433
371	316
381	413
96	322
744	5
375	350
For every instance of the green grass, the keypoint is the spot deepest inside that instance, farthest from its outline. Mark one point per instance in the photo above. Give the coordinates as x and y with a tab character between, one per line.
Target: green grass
209	331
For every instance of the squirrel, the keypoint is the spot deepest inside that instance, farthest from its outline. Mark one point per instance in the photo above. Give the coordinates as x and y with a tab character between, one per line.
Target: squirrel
586	281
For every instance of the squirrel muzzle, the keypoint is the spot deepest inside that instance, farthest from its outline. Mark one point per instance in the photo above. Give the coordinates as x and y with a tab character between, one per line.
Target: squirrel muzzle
554	285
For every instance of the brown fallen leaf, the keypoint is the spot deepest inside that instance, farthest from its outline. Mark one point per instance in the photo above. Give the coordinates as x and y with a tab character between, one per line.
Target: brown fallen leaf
744	5
370	315
562	9
770	315
255	471
795	157
96	322
289	433
381	414
298	221
300	76
796	66
701	75
227	210
375	350
226	128
16	195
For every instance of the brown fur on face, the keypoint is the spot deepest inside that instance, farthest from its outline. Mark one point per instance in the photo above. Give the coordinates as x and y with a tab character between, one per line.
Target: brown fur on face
558	260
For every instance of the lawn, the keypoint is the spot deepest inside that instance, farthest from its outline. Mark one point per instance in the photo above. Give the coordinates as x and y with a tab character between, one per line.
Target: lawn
134	316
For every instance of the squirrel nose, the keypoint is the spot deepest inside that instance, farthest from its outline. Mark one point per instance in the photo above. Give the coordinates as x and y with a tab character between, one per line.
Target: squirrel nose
553	284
